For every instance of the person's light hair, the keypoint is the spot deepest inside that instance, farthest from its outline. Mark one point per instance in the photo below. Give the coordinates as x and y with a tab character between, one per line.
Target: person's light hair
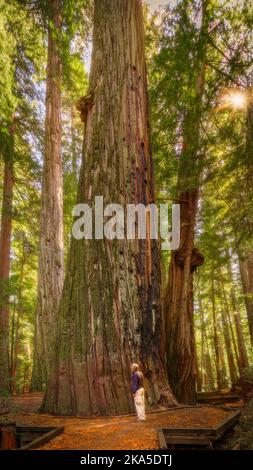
134	367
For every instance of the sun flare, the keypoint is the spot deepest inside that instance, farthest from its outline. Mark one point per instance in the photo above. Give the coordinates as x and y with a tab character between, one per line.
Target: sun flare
235	99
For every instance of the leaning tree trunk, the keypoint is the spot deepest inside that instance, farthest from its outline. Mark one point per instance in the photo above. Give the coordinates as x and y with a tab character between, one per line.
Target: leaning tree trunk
110	312
5	247
50	270
178	302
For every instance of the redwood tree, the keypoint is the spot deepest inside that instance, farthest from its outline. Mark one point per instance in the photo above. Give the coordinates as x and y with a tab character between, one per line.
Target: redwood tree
246	271
178	302
50	270
246	256
5	247
242	350
110	311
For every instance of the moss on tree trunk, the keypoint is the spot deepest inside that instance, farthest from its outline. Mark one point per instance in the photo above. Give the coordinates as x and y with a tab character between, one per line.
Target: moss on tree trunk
110	312
178	302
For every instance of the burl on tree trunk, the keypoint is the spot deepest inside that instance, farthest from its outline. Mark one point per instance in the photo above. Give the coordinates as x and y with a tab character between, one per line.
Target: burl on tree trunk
178	305
246	258
178	301
110	312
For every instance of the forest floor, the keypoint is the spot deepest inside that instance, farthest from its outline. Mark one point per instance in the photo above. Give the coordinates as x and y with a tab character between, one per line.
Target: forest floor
113	433
241	437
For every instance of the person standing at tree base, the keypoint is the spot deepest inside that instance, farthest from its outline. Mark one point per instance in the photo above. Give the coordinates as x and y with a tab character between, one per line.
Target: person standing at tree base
137	386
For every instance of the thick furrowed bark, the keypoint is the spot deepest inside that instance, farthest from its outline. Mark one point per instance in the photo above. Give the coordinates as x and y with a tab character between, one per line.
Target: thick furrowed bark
50	271
178	301
110	312
246	259
179	308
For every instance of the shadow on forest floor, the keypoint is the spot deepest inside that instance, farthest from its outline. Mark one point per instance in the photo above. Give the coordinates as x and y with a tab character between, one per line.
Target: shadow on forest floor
112	433
241	437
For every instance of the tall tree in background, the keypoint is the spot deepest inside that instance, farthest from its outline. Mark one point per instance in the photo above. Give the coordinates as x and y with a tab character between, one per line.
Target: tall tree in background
5	250
51	247
178	303
226	200
242	351
7	105
246	270
246	259
110	312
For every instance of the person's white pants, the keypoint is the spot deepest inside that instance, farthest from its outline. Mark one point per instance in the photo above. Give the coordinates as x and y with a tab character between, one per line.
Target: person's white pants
139	401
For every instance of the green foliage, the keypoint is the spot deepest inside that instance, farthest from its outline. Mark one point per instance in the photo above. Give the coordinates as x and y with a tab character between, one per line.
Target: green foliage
174	47
23	56
224	223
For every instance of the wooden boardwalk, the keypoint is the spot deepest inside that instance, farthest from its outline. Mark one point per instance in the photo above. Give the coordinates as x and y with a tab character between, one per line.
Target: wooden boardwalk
113	433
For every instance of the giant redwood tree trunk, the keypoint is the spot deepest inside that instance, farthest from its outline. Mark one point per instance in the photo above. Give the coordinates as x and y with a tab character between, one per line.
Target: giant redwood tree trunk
110	312
50	271
246	259
178	301
5	247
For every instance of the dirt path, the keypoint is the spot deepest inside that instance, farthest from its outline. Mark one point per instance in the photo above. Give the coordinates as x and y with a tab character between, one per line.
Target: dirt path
26	403
111	433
